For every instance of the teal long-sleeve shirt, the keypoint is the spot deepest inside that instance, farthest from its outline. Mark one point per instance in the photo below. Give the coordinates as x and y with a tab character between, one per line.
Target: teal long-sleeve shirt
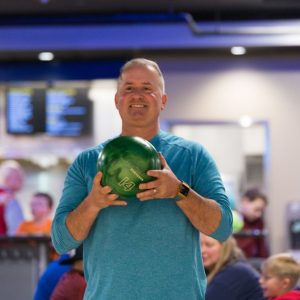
146	250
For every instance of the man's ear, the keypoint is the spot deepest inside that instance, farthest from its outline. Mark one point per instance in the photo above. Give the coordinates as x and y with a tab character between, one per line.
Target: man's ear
164	101
116	100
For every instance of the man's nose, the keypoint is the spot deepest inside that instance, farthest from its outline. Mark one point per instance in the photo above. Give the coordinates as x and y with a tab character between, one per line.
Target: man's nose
137	93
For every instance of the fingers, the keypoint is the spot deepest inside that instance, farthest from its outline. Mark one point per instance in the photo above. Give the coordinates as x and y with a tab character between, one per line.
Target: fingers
158	173
148	194
97	179
102	195
164	186
118	203
162	160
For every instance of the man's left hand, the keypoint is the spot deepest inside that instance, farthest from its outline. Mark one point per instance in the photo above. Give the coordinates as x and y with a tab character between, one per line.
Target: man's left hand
165	185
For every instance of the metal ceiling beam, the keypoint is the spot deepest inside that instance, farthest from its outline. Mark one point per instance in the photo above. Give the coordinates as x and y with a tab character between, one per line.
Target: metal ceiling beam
67	7
155	36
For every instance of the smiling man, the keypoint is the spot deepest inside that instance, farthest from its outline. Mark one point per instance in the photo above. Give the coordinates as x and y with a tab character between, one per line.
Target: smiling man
147	247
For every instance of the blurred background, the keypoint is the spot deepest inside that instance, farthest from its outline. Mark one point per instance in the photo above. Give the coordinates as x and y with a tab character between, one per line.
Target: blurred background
232	71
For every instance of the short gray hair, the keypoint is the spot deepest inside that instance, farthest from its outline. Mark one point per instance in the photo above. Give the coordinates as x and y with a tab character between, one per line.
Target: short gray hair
143	62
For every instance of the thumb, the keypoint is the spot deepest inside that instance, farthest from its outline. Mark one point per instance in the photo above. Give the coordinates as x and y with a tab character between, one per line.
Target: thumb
163	161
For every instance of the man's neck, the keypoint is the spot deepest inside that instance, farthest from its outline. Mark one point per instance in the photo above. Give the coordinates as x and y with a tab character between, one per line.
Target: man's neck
146	134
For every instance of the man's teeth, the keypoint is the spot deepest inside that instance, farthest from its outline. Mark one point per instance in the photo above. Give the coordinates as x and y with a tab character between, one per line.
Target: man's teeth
137	105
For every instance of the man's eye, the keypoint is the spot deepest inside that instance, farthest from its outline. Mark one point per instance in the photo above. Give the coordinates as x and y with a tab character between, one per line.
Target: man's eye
147	89
128	89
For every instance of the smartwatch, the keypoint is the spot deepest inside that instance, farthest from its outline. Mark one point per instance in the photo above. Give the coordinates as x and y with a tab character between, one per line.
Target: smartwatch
184	190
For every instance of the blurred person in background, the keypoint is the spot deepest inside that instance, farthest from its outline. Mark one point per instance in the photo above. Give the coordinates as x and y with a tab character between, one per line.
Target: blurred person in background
280	274
41	206
11	182
50	278
3	195
252	238
229	275
72	284
40	226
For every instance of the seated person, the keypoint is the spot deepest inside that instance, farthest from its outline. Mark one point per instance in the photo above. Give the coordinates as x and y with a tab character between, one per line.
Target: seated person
72	284
279	277
41	206
252	207
229	276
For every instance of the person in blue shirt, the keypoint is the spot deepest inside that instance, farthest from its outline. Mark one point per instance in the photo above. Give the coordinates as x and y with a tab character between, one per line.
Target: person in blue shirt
229	275
147	247
50	277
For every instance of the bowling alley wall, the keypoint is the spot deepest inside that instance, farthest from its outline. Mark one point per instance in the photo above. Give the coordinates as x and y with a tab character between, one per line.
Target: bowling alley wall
203	91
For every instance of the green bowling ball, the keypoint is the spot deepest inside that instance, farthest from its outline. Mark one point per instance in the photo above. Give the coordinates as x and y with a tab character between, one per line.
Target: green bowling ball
124	162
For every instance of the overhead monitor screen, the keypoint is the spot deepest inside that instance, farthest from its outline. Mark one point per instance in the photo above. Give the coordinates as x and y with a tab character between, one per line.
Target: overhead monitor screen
68	112
55	111
25	110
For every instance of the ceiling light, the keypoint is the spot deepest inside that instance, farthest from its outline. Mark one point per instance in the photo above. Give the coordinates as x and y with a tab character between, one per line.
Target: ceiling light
46	56
237	50
246	121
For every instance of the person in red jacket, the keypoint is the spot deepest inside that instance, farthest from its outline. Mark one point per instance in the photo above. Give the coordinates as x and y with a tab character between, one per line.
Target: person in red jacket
252	238
279	277
3	196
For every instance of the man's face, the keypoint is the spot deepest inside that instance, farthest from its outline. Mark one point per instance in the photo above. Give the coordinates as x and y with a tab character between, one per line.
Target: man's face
140	98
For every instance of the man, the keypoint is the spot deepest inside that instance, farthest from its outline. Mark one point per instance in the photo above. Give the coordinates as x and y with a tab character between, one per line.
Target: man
147	248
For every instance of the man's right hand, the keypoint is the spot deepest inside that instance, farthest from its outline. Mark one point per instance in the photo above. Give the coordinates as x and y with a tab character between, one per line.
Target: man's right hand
100	196
80	220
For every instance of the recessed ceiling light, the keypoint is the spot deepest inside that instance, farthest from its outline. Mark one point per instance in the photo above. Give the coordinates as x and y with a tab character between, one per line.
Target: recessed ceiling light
246	121
46	56
238	50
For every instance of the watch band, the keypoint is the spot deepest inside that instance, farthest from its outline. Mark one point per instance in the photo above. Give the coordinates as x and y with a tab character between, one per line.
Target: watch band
184	190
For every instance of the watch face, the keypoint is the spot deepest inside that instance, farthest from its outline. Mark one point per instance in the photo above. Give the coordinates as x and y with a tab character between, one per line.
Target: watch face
184	189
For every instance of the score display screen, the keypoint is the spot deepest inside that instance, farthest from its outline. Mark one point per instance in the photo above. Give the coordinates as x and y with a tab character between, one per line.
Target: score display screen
68	113
54	111
25	108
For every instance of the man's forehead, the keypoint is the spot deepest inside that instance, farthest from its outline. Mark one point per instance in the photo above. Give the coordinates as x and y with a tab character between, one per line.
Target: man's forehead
130	82
135	70
140	75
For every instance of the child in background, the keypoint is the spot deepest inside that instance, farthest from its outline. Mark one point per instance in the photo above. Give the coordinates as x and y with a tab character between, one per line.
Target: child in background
41	205
252	207
279	277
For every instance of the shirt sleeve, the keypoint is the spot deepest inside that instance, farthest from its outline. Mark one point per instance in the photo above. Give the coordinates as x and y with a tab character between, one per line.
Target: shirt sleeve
75	190
208	183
